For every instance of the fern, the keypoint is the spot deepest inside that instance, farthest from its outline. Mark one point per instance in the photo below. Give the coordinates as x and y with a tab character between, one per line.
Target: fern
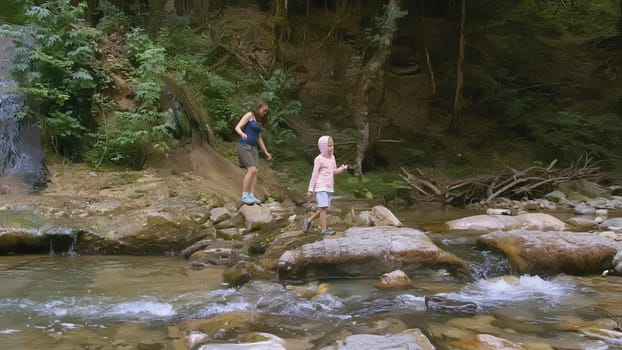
277	90
570	135
142	132
55	65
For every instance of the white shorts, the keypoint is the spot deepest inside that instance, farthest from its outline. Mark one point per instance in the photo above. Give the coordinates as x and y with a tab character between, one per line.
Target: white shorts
323	199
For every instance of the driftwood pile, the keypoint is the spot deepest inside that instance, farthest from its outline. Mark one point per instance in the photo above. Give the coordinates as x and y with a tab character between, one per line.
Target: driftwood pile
533	182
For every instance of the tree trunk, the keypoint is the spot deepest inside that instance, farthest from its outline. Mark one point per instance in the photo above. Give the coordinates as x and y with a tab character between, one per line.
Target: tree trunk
281	21
371	78
156	14
200	11
453	123
280	28
426	50
90	11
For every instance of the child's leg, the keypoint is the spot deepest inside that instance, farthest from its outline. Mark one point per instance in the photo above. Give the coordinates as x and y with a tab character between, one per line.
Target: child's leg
314	215
323	200
322	213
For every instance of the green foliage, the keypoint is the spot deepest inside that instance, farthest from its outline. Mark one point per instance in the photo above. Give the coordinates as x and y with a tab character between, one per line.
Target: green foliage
570	135
113	20
12	11
138	134
222	107
583	16
55	66
516	103
192	55
65	125
189	52
276	93
371	185
359	186
412	156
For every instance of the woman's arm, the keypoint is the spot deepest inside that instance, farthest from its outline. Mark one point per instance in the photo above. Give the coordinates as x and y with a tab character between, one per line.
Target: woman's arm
262	145
241	124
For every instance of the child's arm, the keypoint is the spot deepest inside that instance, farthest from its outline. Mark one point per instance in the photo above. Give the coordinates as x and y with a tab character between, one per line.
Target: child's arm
341	168
314	176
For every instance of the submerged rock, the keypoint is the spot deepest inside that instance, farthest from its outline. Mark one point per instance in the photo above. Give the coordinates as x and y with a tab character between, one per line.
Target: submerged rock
450	306
486	342
395	278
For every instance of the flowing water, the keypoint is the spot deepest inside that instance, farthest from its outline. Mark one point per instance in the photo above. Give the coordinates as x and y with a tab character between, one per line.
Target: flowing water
20	144
60	301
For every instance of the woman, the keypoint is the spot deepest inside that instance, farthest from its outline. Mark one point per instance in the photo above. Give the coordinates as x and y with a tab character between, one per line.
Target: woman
249	129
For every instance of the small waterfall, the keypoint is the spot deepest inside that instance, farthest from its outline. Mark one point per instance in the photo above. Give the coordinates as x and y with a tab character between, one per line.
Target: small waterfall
21	156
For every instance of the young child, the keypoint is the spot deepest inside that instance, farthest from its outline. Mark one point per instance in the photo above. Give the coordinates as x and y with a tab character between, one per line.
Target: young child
322	183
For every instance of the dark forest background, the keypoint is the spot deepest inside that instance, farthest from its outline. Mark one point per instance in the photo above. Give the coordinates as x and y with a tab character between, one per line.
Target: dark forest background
463	87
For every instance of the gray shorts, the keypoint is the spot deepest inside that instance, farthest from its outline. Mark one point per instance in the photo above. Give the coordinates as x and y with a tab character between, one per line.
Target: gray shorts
247	155
323	199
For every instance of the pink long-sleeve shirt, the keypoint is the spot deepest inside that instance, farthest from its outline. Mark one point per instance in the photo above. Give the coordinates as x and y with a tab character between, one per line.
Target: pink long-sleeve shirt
324	169
322	178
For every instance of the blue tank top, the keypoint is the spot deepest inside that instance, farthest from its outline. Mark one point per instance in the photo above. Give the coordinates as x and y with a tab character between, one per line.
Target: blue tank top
252	130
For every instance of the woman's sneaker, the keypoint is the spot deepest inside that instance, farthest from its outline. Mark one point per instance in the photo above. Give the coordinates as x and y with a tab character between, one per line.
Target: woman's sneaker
254	199
247	199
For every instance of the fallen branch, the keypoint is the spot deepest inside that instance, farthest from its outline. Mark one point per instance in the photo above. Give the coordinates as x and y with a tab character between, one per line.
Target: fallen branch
510	183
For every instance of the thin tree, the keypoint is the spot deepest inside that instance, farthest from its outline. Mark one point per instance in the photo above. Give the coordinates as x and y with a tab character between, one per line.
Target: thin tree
155	14
280	27
371	78
426	50
453	122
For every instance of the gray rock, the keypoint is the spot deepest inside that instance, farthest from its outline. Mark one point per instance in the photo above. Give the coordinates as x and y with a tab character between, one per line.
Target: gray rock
412	339
553	252
369	252
614	224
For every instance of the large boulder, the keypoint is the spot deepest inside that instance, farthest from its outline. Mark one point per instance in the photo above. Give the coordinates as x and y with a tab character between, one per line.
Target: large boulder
538	252
367	252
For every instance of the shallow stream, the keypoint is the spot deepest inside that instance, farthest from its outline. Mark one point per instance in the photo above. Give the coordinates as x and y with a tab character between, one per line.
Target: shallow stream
131	302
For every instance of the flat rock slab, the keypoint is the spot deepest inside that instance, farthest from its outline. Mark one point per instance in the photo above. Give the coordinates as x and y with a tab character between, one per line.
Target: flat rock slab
529	221
367	252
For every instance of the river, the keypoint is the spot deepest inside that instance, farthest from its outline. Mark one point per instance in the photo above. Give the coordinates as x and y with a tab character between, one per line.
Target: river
65	301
